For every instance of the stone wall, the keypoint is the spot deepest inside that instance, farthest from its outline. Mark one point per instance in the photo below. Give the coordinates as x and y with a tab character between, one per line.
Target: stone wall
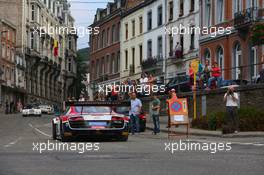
250	96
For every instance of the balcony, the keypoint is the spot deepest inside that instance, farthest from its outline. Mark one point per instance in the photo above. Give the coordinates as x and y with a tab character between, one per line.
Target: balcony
245	18
152	63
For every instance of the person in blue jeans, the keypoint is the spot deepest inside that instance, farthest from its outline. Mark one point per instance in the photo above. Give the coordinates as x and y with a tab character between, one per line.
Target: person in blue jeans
135	110
155	109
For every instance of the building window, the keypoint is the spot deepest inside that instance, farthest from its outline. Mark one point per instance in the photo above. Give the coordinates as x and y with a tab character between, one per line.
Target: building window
160	47
219	11
103	66
140	24
69	65
237	61
98	41
133	57
159	15
118	32
118	61
220	58
113	64
149	51
32	12
32	44
150	20
3	50
49	5
126	57
207	55
181	8
170	10
8	52
182	41
126	28
97	68
251	3
208	9
192	5
103	40
107	36
140	53
107	68
254	62
192	38
133	28
70	43
171	45
113	33
237	5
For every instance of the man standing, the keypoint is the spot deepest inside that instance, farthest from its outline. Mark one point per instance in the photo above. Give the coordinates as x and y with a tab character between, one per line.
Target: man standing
135	109
155	109
231	100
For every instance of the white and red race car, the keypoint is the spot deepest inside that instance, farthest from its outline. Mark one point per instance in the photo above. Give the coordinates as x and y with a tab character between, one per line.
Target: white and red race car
90	120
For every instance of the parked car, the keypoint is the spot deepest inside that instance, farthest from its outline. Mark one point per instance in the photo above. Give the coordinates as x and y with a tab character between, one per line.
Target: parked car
31	110
46	109
179	83
125	111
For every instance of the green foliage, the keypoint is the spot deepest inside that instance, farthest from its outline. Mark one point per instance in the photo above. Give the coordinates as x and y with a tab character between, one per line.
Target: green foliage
258	34
250	119
82	69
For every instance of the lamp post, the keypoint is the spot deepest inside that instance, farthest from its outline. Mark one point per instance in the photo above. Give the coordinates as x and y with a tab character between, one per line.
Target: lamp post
1	71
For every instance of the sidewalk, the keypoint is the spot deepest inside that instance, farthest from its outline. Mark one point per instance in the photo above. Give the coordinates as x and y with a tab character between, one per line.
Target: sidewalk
200	132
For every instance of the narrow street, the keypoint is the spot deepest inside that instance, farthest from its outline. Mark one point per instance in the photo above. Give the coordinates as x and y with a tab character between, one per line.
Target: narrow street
142	154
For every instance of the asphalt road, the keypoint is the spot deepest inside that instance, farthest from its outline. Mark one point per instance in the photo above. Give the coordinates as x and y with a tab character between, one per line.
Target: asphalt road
142	154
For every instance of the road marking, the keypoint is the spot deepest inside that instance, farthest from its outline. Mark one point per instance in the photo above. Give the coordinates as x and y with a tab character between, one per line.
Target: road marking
41	132
12	143
233	143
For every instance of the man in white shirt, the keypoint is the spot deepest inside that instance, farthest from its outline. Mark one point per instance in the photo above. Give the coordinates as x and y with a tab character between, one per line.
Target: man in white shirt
135	110
231	99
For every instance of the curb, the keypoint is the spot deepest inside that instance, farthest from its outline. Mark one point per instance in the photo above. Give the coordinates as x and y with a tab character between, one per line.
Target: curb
239	135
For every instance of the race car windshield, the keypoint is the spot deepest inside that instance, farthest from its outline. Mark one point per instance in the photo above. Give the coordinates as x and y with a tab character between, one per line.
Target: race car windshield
92	109
122	109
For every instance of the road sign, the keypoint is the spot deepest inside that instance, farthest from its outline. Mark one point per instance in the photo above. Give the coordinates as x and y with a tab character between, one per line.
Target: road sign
178	114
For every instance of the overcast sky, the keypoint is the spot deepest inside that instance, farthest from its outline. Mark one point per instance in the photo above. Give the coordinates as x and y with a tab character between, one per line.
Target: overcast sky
83	14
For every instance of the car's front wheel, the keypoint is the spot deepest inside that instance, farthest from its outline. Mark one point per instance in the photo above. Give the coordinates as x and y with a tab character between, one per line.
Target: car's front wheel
62	137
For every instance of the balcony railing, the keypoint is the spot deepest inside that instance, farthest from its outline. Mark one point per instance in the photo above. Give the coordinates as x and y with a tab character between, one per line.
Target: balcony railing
151	62
246	17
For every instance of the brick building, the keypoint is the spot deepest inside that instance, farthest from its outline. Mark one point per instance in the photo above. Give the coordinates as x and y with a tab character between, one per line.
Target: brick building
7	62
235	52
105	45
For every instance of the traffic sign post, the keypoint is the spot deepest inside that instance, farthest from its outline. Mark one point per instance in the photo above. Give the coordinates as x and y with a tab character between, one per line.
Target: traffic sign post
195	67
178	114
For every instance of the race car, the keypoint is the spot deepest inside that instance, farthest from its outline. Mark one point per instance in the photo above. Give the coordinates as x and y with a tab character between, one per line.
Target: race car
31	110
90	120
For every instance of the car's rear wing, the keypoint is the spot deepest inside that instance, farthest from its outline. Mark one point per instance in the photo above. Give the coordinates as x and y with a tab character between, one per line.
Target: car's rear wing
97	103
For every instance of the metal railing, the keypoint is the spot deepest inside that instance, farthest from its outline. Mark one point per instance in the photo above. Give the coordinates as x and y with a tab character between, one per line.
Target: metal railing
248	16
